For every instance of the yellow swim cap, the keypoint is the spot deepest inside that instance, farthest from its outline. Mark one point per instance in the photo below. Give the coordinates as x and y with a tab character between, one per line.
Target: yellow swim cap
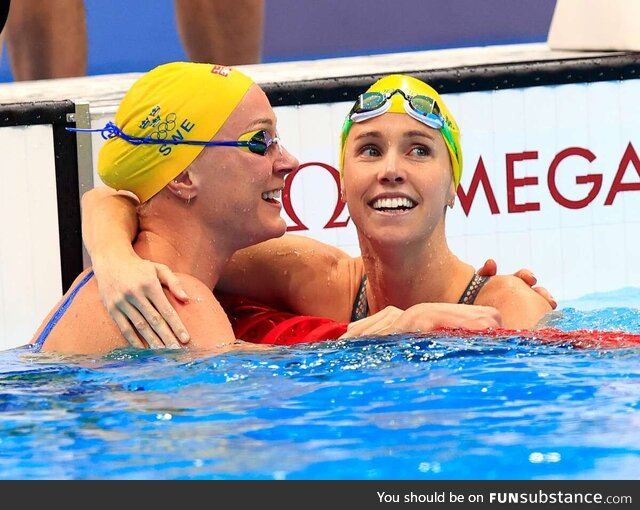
176	101
412	87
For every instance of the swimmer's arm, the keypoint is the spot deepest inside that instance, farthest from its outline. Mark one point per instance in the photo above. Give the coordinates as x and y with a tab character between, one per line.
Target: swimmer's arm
130	287
521	306
425	317
295	273
109	223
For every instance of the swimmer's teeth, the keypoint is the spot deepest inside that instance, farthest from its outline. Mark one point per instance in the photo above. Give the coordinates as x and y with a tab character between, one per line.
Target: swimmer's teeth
393	203
272	195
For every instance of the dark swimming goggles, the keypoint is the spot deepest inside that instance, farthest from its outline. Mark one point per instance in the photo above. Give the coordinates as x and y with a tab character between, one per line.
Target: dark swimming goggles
422	108
257	141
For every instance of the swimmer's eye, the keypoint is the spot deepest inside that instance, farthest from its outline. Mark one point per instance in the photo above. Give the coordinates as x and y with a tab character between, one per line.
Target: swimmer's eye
258	141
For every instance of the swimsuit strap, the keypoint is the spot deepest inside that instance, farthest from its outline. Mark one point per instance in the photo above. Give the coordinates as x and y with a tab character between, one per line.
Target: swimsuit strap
471	292
55	318
360	306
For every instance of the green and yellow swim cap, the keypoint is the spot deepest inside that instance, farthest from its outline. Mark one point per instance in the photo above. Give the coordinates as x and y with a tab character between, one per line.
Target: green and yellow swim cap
411	89
175	101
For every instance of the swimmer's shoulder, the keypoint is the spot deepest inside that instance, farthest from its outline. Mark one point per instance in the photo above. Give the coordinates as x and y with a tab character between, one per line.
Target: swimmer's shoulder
203	316
79	323
521	307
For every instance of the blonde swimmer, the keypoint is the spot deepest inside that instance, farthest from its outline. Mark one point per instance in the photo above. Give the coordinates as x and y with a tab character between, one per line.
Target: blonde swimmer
196	143
299	274
401	167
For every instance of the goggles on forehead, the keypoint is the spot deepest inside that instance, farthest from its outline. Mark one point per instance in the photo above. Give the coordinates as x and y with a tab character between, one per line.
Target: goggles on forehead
422	108
257	141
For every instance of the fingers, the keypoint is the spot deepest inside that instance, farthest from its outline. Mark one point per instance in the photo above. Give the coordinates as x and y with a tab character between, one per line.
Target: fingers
127	331
357	328
547	295
157	324
368	326
172	282
362	330
136	294
172	331
135	319
490	318
481	317
490	268
362	323
526	276
375	324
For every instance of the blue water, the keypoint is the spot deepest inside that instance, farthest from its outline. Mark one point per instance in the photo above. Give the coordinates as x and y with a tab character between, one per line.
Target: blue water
399	407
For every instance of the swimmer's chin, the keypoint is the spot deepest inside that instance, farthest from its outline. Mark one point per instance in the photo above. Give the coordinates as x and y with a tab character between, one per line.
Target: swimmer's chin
272	233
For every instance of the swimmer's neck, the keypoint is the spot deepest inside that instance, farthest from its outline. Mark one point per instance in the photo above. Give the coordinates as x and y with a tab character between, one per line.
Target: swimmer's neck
197	255
411	275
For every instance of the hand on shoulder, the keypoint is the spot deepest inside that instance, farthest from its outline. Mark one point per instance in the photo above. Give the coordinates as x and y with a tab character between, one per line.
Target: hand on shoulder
521	306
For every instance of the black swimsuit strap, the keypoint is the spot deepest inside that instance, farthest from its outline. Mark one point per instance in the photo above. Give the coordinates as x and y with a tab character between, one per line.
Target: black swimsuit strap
360	306
471	292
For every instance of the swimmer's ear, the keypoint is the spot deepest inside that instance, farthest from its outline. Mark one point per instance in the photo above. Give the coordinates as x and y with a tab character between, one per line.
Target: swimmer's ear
343	193
451	195
183	186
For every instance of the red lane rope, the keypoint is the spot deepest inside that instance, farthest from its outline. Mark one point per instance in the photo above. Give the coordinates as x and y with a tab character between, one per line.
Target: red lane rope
579	338
257	323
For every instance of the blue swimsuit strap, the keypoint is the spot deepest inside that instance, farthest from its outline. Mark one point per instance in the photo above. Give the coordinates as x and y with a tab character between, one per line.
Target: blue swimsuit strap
59	313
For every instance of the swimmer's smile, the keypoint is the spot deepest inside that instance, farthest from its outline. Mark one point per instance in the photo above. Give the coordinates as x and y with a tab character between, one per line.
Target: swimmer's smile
273	196
392	204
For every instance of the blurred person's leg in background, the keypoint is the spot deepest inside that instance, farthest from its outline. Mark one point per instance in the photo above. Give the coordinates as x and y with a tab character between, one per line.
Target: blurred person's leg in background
227	32
47	39
4	11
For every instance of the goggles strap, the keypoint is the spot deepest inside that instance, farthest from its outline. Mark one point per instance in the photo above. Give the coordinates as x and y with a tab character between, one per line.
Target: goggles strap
110	130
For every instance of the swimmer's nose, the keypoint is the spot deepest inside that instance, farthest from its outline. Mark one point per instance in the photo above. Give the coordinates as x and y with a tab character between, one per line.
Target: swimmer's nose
286	162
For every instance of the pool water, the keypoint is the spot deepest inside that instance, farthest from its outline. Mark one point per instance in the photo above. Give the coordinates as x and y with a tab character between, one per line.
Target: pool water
401	407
